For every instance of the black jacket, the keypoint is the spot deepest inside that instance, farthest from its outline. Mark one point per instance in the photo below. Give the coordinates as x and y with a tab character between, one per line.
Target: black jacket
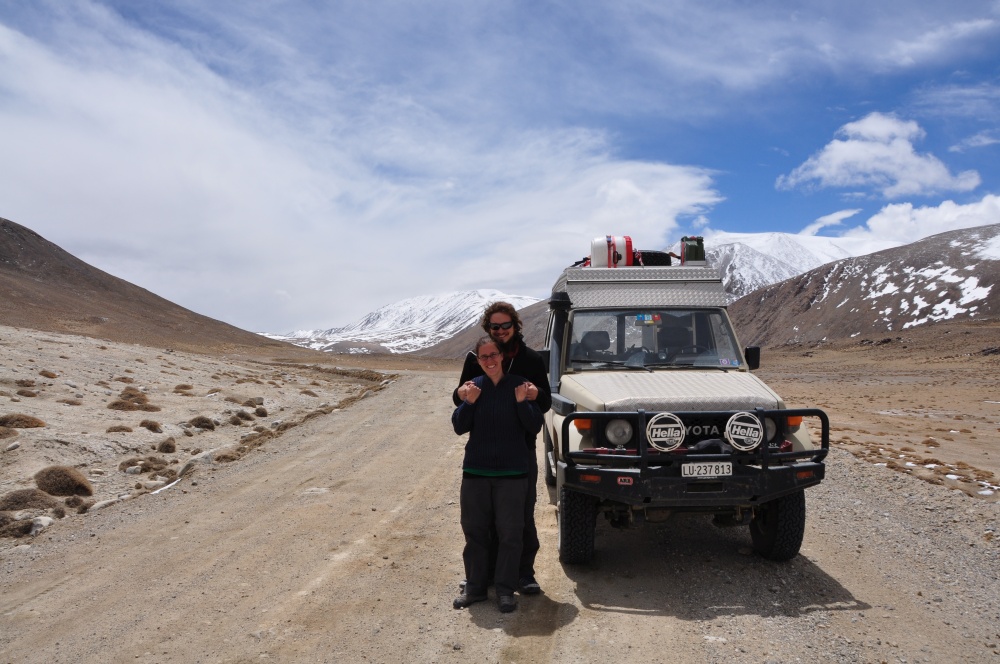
527	363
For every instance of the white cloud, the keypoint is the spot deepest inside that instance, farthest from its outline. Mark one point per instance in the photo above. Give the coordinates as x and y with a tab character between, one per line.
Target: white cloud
833	219
930	45
903	223
980	140
876	152
145	163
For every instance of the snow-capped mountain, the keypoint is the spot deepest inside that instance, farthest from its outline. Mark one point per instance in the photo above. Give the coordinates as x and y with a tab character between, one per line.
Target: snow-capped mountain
753	260
407	325
949	276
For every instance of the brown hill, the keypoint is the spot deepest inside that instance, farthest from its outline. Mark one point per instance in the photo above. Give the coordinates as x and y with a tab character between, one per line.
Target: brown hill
43	287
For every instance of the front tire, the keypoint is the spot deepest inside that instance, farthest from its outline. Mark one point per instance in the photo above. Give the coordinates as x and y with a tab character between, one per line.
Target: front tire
778	527
577	525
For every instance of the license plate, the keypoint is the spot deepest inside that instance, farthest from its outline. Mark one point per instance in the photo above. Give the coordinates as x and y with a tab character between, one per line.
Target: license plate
707	469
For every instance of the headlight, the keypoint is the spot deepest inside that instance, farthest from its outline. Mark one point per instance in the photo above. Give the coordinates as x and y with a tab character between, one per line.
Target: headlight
770	429
618	432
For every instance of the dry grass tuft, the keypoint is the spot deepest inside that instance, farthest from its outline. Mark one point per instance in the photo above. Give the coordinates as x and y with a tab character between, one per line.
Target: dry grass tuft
232	399
152	425
260	411
73	501
202	422
20	421
118	428
48	374
27	393
243	415
63	481
124	379
168	446
183	387
235	421
7	432
133	399
308	393
24	382
147	465
20	528
26	499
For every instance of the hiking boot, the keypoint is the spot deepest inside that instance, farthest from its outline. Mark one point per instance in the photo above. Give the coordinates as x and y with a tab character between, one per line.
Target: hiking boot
506	603
463	600
529	586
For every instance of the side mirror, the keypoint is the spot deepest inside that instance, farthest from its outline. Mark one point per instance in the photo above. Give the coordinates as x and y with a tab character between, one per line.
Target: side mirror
752	356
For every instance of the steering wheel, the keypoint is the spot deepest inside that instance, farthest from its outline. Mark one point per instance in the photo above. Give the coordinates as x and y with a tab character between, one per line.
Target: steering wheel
693	349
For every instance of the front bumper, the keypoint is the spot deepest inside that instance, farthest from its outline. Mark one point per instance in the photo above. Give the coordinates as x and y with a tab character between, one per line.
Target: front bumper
649	479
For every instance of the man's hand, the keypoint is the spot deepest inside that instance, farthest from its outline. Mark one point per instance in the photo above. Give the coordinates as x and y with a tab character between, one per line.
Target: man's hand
532	392
521	391
469	392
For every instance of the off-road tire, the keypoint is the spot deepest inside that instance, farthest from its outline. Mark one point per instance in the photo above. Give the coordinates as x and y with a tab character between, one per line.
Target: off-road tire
577	523
550	473
778	527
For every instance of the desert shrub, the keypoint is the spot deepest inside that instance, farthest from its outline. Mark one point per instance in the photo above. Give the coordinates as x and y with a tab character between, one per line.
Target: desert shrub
19	421
5	518
202	422
73	501
124	379
48	374
84	506
234	420
214	390
7	432
26	393
134	394
183	387
152	425
168	446
26	499
187	432
70	402
17	528
260	411
119	428
63	481
232	399
121	404
24	382
309	393
243	415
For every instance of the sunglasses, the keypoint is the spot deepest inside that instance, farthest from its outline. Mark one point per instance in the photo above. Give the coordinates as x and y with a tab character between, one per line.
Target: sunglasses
501	326
487	358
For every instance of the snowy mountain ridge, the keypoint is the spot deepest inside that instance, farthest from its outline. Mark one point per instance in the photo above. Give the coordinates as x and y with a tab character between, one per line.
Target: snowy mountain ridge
407	325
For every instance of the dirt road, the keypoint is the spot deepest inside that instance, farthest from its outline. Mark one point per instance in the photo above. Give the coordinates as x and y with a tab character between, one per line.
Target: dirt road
339	542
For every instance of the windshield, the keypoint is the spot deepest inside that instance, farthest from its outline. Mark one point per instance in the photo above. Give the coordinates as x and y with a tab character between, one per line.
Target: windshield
650	338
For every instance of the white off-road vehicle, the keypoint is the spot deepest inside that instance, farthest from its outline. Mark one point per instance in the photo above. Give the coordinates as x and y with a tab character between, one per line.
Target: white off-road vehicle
655	411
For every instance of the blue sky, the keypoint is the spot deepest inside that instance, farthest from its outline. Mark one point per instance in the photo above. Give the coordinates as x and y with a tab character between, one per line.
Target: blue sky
291	165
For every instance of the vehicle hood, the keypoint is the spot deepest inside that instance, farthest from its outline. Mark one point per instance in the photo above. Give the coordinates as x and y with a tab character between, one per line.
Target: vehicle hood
668	390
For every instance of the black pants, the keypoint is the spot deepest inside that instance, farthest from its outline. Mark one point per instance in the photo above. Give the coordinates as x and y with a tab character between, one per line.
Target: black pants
529	538
492	504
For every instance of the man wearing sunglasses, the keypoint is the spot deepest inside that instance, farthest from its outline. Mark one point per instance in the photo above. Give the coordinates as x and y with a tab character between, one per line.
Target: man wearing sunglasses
501	322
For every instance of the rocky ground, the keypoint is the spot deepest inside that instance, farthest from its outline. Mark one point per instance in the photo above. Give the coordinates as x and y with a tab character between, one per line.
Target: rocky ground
337	539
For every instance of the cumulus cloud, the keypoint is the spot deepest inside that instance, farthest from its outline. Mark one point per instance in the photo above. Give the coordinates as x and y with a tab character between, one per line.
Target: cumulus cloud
903	223
877	152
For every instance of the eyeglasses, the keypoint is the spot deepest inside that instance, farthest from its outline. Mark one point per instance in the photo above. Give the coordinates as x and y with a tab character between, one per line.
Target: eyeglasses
501	326
487	358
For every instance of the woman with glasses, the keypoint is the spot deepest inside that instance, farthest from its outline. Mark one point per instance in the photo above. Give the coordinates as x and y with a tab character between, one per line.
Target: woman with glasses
498	416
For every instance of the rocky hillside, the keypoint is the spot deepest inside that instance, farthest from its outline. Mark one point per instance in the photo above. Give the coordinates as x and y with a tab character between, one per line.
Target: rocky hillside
947	277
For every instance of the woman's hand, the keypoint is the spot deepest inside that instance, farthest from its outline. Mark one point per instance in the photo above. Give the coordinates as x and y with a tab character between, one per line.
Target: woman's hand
469	392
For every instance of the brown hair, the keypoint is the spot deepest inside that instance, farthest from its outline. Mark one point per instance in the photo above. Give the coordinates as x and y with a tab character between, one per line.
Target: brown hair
500	308
483	341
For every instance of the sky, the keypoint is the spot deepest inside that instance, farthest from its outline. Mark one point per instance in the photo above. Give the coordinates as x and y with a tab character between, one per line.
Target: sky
289	165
